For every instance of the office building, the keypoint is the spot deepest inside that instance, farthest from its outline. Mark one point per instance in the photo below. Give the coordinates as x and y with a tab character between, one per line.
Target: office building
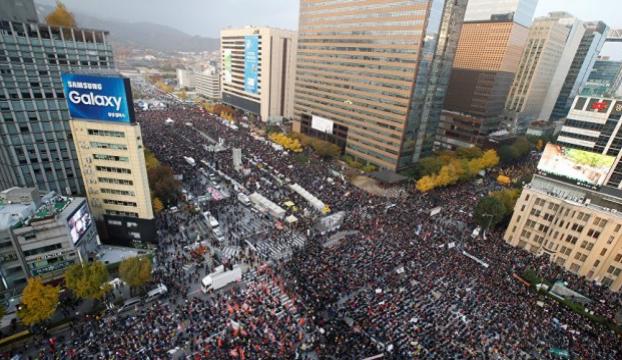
109	147
372	78
257	71
36	149
185	78
41	236
582	64
207	84
605	78
543	52
519	11
489	51
571	211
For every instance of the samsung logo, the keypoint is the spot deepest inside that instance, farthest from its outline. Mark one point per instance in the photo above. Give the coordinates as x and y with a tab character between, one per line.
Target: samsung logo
95	100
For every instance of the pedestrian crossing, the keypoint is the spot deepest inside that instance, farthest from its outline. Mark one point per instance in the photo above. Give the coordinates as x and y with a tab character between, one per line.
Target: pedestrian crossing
273	250
229	252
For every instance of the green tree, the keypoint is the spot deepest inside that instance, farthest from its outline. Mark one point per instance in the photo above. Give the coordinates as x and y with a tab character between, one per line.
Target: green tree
508	154
522	146
489	212
429	165
88	281
39	302
163	184
135	271
508	198
60	16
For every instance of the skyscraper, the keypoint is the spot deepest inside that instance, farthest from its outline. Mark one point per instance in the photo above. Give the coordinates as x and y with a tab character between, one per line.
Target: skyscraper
547	40
605	78
581	68
489	51
257	72
36	147
372	78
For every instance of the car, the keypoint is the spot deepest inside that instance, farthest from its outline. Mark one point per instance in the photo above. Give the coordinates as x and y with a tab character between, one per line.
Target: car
156	292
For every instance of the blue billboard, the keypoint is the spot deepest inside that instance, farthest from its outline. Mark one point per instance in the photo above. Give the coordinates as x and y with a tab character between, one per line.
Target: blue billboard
251	63
99	97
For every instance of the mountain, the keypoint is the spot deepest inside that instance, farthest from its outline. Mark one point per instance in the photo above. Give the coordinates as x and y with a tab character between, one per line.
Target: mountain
142	35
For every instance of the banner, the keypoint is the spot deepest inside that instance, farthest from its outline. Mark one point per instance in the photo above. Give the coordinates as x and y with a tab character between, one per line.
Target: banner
251	63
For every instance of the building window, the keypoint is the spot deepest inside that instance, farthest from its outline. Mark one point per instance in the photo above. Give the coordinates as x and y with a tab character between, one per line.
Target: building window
113	169
110	157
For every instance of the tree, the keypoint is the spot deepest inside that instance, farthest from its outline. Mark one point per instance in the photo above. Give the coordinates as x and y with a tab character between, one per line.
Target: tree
157	205
429	165
522	146
508	154
489	212
39	302
508	198
163	184
60	16
88	281
135	271
425	184
503	180
2	311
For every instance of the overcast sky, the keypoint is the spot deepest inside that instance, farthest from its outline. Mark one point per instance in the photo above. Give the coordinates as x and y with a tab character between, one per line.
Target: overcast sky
207	17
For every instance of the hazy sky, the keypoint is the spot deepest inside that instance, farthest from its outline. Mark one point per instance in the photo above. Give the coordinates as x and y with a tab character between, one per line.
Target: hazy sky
207	17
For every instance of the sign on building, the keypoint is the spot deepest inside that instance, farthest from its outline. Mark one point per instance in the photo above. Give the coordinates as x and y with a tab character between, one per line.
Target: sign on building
237	158
99	97
251	63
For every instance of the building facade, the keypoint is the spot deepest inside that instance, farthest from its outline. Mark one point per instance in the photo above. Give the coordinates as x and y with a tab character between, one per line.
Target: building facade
36	148
519	11
583	62
258	69
207	84
543	52
185	78
372	78
42	236
605	78
571	212
491	45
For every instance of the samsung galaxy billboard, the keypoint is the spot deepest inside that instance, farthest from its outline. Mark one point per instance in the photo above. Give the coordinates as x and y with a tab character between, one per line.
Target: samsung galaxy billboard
251	64
99	97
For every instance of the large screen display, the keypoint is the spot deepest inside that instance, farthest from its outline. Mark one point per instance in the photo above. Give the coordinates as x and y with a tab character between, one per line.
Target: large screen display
79	222
322	124
251	63
99	97
576	165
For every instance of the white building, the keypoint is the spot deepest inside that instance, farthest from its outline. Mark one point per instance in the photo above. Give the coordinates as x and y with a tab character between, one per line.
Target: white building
184	78
207	84
258	70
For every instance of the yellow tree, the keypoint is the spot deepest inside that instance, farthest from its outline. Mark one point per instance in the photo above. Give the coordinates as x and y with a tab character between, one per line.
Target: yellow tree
425	184
88	281
60	16
157	205
135	271
490	159
39	302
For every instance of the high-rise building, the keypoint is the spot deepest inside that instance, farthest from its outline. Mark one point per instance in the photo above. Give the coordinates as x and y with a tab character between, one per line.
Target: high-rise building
41	236
257	71
489	51
519	11
571	211
372	78
605	78
36	148
545	46
110	150
185	78
582	64
207	83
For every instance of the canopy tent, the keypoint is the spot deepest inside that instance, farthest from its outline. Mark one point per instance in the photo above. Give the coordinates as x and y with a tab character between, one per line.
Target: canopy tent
315	202
266	205
291	219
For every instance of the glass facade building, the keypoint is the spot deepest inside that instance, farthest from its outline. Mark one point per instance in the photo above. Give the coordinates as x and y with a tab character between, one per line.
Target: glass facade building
520	11
372	78
605	78
36	147
581	68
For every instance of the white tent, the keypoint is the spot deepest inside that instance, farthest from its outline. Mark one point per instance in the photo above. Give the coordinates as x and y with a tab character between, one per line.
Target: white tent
264	204
315	202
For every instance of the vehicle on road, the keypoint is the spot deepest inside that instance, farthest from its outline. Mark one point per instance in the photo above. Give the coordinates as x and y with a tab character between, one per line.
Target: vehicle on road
220	278
129	304
243	198
156	292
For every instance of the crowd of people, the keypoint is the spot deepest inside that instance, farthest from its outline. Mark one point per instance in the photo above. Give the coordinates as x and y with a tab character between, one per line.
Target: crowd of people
399	283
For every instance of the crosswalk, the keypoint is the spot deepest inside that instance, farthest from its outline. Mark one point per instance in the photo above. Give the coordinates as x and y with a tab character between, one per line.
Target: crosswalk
271	250
229	252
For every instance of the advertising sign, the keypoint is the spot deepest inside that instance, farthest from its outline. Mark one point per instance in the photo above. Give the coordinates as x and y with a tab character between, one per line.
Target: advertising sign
576	165
617	109
599	105
227	66
251	63
99	97
79	223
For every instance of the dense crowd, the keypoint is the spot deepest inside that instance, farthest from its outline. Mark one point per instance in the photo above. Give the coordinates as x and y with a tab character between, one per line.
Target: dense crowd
398	283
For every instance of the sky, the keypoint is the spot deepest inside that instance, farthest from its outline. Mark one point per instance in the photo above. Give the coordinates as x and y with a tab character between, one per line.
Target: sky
207	17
